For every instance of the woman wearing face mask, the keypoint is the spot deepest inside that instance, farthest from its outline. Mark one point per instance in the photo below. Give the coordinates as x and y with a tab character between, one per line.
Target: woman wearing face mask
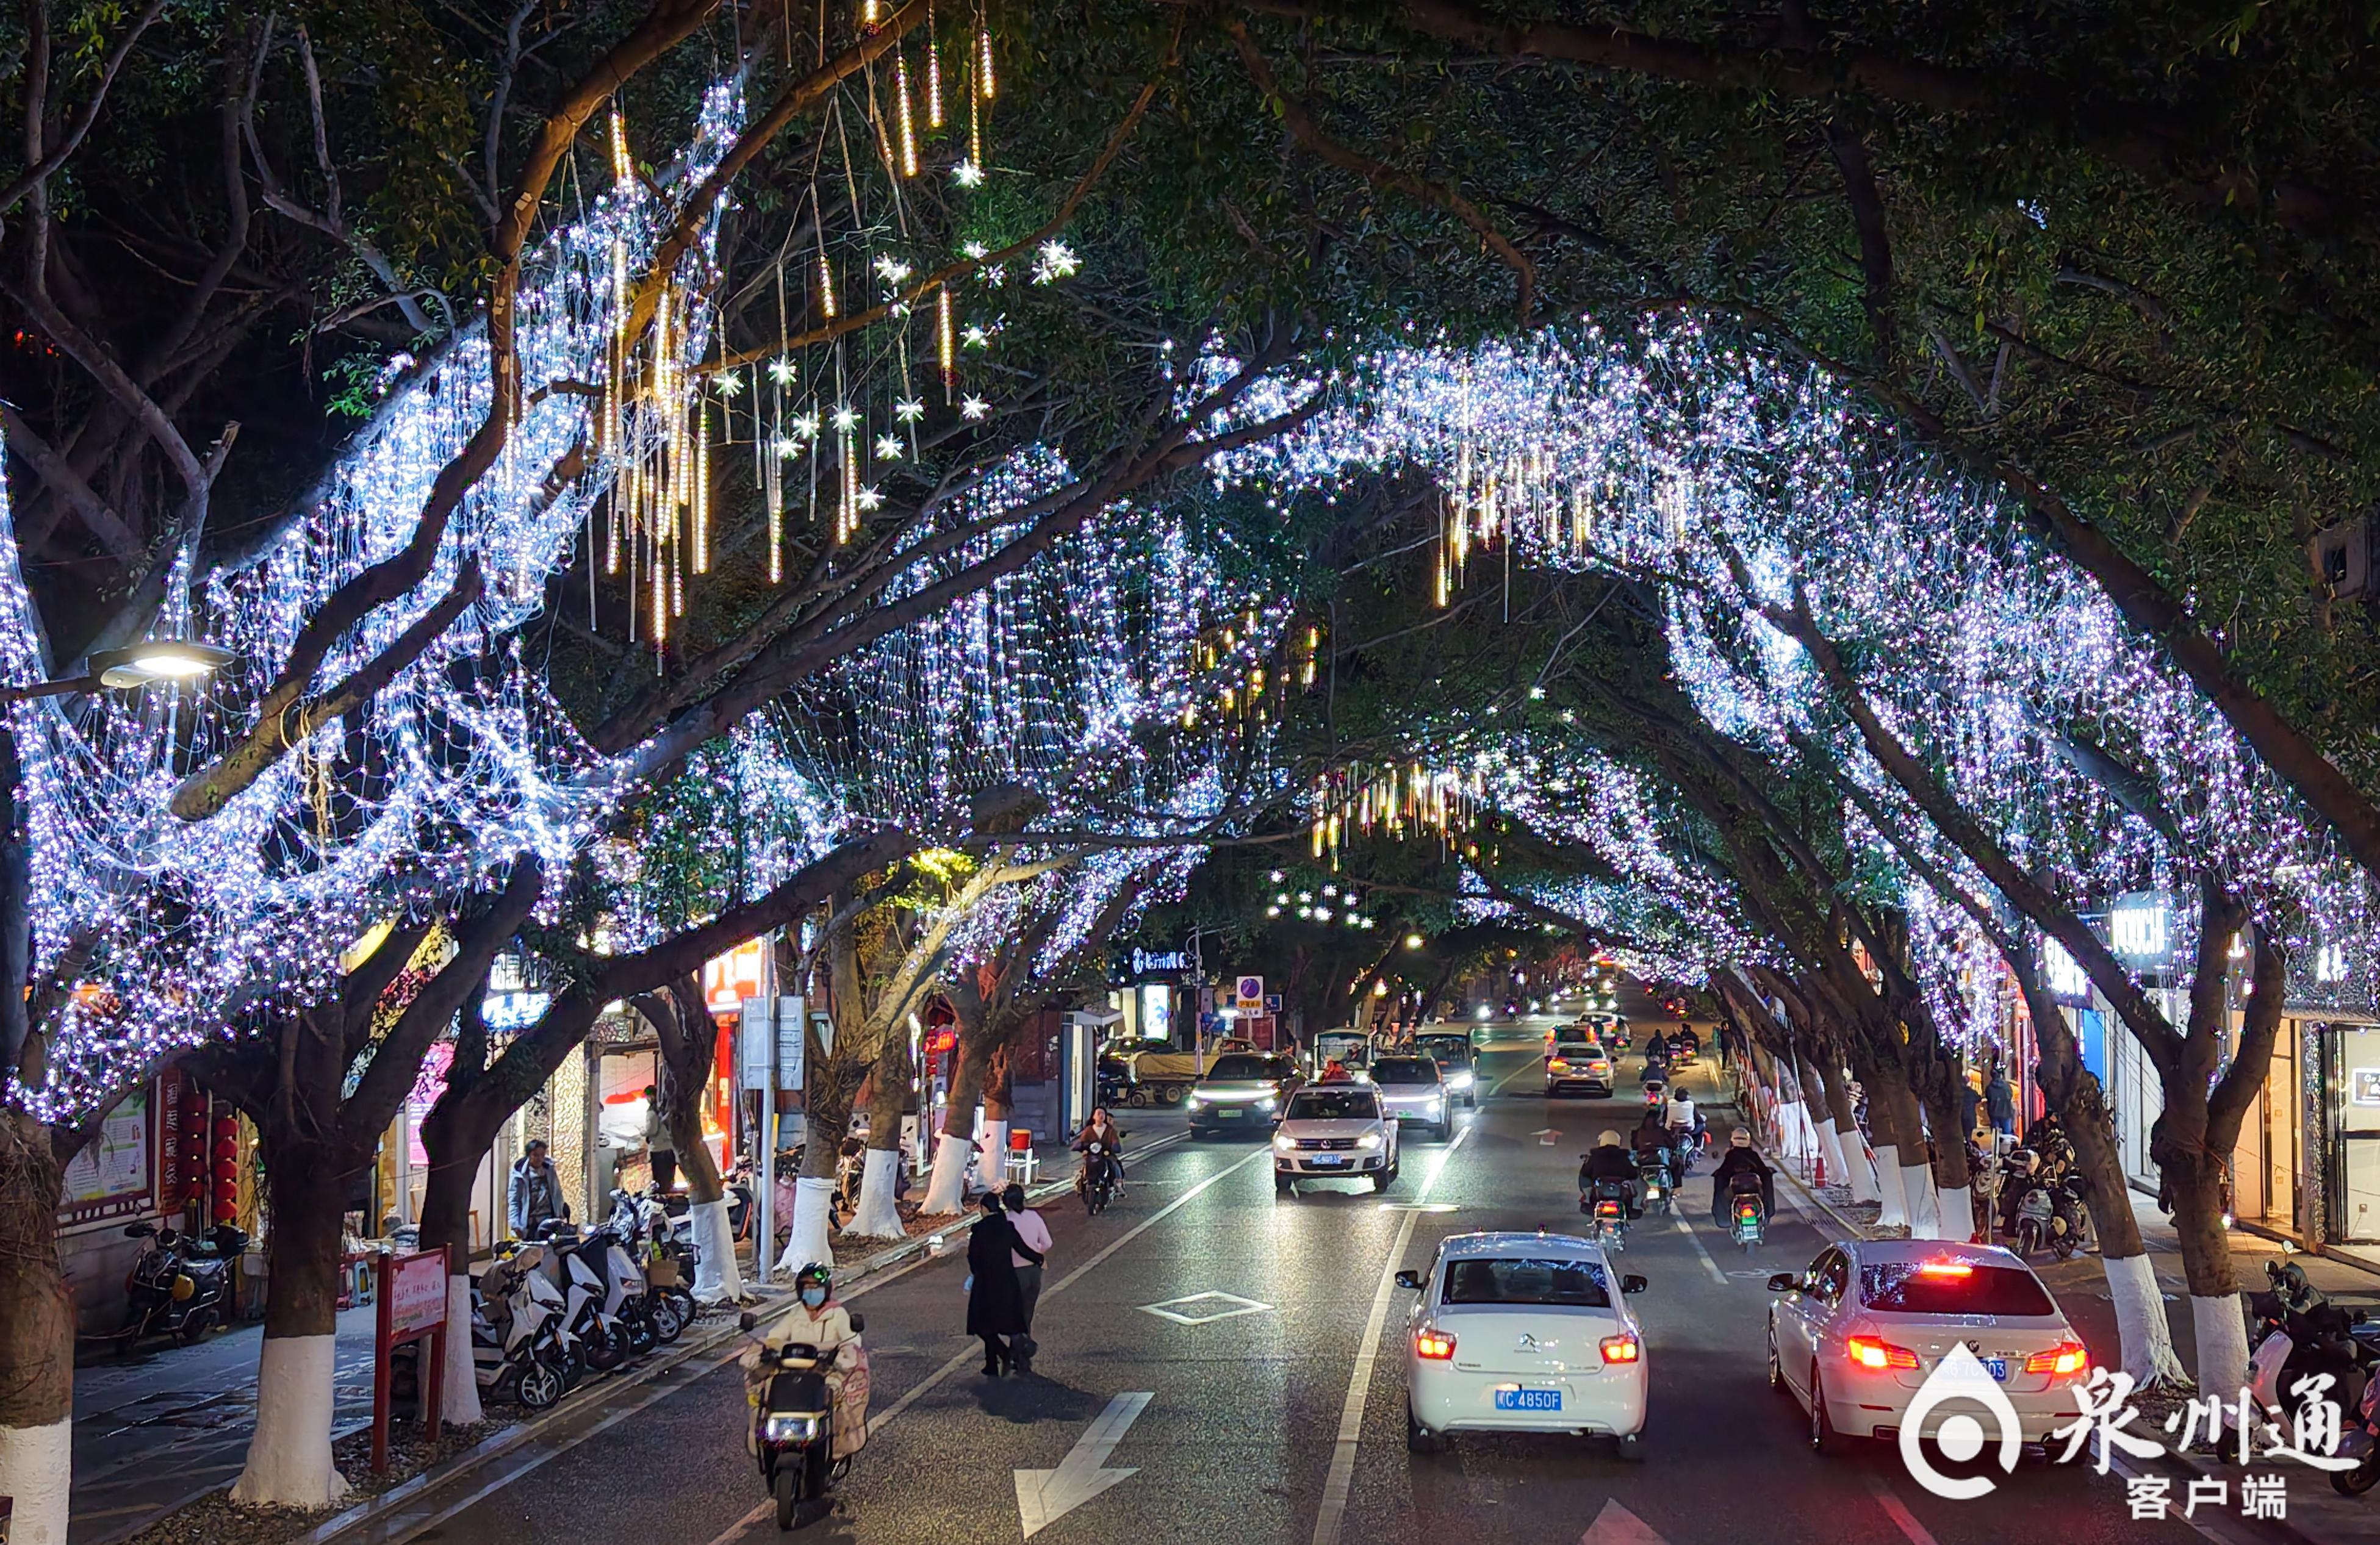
817	1320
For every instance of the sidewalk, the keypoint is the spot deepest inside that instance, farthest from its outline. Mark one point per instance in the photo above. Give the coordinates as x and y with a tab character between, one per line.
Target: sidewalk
2316	1514
166	1425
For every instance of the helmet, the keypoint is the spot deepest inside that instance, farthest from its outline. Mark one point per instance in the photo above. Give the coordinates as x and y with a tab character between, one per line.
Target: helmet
1607	1139
813	1272
1739	1139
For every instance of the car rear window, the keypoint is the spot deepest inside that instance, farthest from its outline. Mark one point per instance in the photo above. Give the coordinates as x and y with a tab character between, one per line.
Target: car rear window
1404	1070
1578	1051
1941	1287
1447	1048
1335	1104
1239	1068
1525	1280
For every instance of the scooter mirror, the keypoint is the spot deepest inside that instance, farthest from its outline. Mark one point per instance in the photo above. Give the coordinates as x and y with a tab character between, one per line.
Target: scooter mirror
858	1325
1632	1283
747	1321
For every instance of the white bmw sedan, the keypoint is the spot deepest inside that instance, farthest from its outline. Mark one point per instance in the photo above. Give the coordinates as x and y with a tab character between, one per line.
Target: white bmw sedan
1855	1336
1522	1333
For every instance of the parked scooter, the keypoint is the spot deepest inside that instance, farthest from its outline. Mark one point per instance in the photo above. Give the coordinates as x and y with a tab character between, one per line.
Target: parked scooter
520	1351
2294	1331
180	1283
604	1341
2049	1214
794	1425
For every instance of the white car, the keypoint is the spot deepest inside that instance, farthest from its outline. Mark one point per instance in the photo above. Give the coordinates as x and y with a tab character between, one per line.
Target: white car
1855	1337
1334	1131
1522	1333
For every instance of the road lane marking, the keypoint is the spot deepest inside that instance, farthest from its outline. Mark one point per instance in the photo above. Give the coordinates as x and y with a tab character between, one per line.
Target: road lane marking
1219	1306
1523	1067
1045	1496
1341	1479
1616	1526
1898	1510
1708	1264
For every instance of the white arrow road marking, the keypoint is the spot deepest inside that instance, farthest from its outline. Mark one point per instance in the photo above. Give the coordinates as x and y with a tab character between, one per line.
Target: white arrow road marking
1545	1136
1616	1526
1045	1496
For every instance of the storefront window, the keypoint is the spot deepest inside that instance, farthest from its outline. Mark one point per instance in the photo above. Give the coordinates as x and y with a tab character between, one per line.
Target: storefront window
2355	1111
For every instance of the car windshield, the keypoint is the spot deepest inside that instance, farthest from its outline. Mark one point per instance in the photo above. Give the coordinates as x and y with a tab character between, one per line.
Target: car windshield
1507	1280
1404	1070
1447	1048
1952	1287
1335	1104
1241	1068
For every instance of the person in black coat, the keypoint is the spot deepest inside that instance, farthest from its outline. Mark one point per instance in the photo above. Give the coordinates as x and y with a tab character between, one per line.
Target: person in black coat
995	1303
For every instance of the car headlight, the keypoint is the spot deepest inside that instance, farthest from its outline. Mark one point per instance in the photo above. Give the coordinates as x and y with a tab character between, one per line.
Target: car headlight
1195	1103
1285	1143
790	1429
1369	1139
1459	1080
1267	1103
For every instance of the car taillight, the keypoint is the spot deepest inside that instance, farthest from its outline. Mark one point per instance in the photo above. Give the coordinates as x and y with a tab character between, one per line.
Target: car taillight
1871	1352
1434	1345
1622	1348
1599	1067
1560	1065
2066	1357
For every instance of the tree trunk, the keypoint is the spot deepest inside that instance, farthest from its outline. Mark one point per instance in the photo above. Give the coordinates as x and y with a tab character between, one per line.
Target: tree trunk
1884	1121
998	1107
2194	1179
1953	1183
1859	1173
876	1216
1916	1168
289	1457
946	1193
37	1337
446	1220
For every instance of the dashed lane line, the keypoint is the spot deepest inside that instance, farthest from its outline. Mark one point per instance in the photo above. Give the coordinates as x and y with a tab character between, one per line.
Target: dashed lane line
1340	1480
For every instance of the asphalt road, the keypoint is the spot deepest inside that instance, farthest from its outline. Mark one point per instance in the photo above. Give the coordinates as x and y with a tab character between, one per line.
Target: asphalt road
1262	1423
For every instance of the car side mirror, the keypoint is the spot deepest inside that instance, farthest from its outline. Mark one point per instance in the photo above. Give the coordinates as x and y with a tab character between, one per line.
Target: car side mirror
1783	1282
1632	1283
748	1322
1409	1279
859	1323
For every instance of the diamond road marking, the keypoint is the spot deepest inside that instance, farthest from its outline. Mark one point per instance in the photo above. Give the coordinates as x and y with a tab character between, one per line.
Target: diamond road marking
1213	1305
1417	1207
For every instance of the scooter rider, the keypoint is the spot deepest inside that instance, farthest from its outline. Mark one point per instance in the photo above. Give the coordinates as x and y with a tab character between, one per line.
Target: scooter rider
1652	1136
1685	1125
1608	1161
1741	1159
1100	1128
816	1320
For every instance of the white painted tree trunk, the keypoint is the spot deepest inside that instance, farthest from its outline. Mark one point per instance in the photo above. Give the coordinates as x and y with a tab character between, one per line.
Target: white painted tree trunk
991	1165
813	1227
2222	1336
37	1470
2144	1334
1860	1167
1791	1142
289	1457
1917	1196
1830	1150
717	1276
1888	1177
875	1217
946	1191
1958	1208
459	1395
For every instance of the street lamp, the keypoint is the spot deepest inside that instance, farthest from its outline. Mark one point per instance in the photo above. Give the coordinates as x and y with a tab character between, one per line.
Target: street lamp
159	659
1413	941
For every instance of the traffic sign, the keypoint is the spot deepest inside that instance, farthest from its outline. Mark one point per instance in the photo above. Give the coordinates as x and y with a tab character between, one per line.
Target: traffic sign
1251	989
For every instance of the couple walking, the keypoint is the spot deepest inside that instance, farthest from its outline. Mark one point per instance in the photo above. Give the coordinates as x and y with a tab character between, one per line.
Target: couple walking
1004	1252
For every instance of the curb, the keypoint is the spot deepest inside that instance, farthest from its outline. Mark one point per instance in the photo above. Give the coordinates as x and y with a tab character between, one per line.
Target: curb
497	1445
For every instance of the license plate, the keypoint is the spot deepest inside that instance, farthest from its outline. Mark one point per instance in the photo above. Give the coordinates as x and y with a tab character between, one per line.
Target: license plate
1229	1114
1997	1367
1528	1400
1328	1159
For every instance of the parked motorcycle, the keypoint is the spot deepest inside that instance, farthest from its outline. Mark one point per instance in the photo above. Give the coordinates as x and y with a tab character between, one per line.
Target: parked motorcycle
2049	1211
603	1339
180	1285
520	1351
2294	1331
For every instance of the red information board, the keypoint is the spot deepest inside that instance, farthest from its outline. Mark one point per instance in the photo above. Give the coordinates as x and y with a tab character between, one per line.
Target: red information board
412	1309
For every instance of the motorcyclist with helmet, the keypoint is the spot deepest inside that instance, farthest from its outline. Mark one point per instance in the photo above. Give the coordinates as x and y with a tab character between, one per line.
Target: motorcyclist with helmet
1608	1161
1741	1158
1102	1130
1686	1125
815	1321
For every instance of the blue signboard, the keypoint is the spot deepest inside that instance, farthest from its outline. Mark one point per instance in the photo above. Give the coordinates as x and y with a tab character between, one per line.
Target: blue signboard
2091	1041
